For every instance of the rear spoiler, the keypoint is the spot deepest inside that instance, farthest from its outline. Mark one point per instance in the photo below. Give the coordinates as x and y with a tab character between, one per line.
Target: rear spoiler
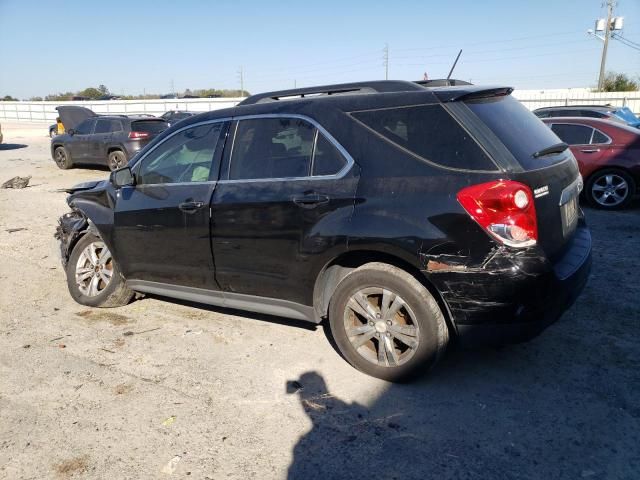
463	94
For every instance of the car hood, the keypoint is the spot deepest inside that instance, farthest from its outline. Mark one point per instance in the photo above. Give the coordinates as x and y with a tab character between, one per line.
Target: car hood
71	115
86	186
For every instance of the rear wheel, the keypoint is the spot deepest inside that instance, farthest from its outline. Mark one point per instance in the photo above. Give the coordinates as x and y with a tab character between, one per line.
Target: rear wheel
610	189
386	323
117	159
93	277
62	159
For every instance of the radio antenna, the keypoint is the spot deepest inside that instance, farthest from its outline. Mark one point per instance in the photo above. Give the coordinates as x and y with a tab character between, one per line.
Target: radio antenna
454	65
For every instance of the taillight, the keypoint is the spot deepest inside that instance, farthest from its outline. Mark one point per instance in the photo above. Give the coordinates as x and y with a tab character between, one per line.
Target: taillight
505	209
138	135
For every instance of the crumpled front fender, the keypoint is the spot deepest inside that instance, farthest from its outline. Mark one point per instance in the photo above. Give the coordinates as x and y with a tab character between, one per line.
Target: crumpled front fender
71	226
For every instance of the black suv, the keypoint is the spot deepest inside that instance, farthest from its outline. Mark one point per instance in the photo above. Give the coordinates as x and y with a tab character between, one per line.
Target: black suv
406	216
110	140
174	116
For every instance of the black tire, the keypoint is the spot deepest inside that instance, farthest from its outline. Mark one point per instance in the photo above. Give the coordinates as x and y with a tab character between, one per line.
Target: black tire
117	159
598	180
419	307
113	294
62	158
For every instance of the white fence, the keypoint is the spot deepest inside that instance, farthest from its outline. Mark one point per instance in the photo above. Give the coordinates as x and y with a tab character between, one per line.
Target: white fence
45	111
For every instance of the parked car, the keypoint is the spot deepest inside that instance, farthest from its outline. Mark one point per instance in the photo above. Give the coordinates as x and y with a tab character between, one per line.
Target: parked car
174	116
406	217
608	155
622	115
1	137
104	140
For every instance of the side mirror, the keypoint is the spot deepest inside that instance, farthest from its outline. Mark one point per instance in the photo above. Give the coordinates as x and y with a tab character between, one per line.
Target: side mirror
123	177
71	131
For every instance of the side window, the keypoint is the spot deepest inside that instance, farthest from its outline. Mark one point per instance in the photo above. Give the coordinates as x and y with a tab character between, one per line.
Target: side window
271	148
429	132
572	134
85	127
116	126
599	137
187	156
327	160
103	126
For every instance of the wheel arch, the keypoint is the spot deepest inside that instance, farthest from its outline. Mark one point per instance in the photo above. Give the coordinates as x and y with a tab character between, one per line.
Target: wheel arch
339	267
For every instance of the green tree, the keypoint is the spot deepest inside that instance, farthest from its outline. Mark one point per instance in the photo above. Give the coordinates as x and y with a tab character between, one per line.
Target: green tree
103	90
35	99
619	82
92	93
9	98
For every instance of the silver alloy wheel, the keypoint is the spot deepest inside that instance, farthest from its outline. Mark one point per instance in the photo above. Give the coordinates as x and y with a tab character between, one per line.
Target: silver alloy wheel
117	160
610	190
94	269
381	327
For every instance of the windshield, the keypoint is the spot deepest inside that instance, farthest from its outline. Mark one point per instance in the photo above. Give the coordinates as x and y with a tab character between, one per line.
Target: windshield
627	115
518	129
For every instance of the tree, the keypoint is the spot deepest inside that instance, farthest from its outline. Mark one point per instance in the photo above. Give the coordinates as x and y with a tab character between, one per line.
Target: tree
9	98
103	90
92	93
35	99
619	82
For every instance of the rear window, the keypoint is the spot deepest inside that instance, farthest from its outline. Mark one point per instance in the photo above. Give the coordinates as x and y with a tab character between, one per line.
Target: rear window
518	129
429	132
151	126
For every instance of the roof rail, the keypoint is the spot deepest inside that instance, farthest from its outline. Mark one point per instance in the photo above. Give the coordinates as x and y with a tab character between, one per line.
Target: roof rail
379	86
442	82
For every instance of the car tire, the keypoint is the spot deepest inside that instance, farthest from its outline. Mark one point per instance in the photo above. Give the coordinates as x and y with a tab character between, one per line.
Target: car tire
52	133
93	276
117	159
62	158
610	189
379	339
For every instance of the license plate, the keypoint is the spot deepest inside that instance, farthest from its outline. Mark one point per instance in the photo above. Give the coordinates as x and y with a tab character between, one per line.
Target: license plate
569	215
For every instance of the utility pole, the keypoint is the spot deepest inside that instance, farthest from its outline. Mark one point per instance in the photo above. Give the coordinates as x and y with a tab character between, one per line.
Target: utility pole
241	75
385	58
607	33
172	88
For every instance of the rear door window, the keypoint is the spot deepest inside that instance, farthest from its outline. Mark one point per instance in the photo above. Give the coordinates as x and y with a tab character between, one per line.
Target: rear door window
573	134
116	126
429	132
327	160
518	129
599	137
266	148
103	126
86	127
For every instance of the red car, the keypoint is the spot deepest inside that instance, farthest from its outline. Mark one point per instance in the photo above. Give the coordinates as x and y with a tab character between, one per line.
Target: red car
608	155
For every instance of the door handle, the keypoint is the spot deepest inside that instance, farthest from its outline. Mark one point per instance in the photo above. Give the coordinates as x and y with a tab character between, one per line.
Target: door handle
590	150
190	207
311	200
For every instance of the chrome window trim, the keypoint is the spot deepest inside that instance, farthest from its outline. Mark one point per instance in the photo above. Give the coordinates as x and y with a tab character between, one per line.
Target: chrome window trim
340	174
182	129
593	129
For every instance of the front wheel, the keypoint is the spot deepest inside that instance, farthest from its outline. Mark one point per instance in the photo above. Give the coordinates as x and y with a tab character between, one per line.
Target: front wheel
62	159
93	277
117	159
610	189
386	323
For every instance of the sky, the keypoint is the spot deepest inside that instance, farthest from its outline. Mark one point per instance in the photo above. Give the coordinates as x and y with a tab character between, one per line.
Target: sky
141	46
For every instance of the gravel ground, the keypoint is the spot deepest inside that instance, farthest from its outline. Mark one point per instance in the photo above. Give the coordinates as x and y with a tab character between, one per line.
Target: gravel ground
160	389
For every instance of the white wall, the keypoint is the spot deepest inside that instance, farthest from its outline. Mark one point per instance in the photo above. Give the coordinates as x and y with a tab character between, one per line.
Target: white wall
46	111
532	99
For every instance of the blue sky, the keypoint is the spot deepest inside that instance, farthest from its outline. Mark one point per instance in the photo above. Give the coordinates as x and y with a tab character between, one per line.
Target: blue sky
136	46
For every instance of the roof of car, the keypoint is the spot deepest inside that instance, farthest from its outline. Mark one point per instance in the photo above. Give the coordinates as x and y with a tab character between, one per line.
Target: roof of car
576	107
348	97
593	122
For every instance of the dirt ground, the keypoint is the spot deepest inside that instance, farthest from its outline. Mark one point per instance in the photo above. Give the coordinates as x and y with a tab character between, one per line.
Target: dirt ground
160	389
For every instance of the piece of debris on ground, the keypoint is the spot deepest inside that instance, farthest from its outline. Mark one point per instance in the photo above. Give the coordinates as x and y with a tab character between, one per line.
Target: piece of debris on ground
16	182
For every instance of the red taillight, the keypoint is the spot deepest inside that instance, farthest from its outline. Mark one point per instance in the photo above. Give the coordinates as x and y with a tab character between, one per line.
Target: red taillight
505	209
138	135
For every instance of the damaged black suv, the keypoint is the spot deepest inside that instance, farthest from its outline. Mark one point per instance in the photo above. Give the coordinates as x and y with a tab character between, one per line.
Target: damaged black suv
404	215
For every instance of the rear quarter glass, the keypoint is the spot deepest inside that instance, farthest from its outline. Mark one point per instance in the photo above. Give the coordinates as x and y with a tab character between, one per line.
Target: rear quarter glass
428	132
518	129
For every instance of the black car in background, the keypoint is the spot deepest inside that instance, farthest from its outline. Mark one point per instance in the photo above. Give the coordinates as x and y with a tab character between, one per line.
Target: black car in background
622	115
174	116
110	140
406	217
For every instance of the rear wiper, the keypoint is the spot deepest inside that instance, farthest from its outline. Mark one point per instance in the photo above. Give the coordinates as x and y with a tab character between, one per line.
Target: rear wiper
557	148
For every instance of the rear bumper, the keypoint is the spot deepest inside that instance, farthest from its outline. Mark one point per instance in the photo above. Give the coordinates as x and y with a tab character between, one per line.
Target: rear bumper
514	304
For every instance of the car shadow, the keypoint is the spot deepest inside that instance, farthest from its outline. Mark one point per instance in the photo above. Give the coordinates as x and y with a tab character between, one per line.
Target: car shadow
12	146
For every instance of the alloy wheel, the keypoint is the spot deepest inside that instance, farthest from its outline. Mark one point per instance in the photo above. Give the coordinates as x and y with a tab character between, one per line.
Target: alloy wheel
94	269
610	190
60	157
381	327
